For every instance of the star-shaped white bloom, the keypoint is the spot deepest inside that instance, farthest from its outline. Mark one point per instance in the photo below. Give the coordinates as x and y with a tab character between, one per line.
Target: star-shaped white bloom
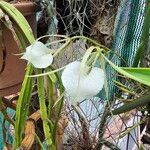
38	55
82	86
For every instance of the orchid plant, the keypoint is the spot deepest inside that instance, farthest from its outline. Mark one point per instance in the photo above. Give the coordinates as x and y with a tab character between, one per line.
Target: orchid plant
81	79
78	77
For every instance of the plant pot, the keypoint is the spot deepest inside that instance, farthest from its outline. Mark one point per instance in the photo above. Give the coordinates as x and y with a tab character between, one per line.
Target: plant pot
12	68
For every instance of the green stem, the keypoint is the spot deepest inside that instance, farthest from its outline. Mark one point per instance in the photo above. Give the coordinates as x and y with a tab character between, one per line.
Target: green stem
47	73
39	141
62	47
102	127
50	96
110	145
59	105
92	41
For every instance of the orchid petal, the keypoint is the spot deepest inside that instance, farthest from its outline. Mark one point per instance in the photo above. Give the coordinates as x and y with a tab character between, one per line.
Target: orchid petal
38	49
43	61
82	86
39	55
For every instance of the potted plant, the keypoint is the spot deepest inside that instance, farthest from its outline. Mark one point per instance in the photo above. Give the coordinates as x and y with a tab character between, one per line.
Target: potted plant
12	69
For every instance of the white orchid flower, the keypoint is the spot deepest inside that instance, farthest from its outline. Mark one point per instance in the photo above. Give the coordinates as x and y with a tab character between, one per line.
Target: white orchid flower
82	86
38	55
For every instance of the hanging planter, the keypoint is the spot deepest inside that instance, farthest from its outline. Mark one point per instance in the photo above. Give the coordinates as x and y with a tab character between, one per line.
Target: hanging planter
12	69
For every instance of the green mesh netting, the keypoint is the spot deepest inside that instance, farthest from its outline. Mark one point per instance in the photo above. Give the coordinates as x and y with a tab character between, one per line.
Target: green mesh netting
128	29
127	34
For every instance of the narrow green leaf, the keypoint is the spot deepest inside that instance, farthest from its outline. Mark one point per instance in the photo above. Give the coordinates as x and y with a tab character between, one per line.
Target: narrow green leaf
43	110
19	19
129	129
142	101
22	107
59	105
141	75
123	87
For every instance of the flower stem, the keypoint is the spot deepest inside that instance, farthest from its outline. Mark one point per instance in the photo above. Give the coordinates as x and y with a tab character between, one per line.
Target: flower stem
62	47
92	41
47	73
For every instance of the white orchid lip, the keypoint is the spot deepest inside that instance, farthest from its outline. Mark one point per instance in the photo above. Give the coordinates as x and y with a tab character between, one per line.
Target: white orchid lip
38	55
82	86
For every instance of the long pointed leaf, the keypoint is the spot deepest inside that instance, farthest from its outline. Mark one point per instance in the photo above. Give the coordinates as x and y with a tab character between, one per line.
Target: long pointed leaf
141	75
19	19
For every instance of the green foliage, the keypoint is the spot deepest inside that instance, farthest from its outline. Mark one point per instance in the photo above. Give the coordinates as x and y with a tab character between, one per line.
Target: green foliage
141	75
